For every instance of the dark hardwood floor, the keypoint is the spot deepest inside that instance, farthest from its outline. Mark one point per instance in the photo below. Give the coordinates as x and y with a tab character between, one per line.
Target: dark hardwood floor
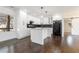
54	44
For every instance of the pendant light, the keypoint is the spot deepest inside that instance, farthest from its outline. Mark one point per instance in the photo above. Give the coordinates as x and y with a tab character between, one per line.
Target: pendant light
41	20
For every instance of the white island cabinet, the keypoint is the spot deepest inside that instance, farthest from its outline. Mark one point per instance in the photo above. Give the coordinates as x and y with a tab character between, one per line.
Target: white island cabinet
39	34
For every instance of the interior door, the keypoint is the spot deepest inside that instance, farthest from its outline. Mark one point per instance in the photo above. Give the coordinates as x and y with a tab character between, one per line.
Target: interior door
57	28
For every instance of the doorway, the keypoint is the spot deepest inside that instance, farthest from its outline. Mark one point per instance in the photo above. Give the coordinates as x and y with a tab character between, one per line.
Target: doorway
67	27
57	28
57	32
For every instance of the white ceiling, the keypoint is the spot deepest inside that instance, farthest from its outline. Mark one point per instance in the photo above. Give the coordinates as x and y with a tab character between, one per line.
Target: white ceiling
52	10
37	12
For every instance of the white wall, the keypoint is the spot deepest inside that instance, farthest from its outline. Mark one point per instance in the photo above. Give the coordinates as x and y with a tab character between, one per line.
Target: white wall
22	20
22	23
75	27
46	20
31	18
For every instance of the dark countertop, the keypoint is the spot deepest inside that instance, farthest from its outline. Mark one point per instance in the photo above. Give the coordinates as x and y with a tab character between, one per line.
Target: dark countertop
39	25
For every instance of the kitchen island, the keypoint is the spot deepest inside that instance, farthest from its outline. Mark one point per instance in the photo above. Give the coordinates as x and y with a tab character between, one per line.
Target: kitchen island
39	34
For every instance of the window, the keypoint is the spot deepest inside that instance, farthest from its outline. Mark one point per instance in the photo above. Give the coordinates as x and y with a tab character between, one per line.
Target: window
5	23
